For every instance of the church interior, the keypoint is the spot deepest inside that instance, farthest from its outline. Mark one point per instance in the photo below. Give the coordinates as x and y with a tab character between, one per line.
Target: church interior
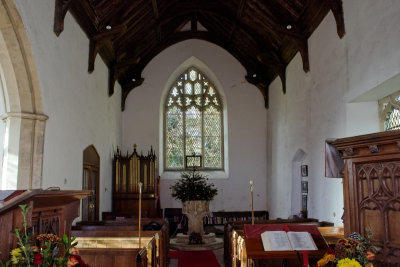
289	108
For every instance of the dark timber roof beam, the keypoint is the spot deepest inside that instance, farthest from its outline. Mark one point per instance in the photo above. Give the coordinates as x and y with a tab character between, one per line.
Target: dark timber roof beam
263	36
61	9
97	42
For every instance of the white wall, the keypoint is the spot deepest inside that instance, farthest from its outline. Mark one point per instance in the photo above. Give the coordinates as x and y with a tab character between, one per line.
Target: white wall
246	122
2	123
77	103
316	105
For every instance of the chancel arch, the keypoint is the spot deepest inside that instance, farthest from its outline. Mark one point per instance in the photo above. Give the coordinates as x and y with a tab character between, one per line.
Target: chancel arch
24	121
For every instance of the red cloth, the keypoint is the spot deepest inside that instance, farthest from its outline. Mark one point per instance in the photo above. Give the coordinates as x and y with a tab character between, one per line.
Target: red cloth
254	232
195	258
305	259
16	193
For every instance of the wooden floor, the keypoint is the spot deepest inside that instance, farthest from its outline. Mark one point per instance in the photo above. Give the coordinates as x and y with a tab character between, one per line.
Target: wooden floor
219	253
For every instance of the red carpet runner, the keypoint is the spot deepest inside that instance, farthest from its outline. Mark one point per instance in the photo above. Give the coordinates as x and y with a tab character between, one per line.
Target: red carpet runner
195	258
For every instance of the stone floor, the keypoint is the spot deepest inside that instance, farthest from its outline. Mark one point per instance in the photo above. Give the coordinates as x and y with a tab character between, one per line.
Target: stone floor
219	253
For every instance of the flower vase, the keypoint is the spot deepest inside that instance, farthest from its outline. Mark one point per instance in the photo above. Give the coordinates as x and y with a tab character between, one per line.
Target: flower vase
195	211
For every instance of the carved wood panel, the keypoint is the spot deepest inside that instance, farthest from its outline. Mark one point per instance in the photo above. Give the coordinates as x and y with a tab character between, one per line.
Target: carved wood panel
47	222
378	200
371	190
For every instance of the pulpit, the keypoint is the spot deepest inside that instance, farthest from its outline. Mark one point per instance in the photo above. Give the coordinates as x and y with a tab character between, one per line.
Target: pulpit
51	211
371	189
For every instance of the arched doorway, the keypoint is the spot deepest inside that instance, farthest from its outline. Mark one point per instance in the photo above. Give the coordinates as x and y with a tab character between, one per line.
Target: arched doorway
91	181
296	192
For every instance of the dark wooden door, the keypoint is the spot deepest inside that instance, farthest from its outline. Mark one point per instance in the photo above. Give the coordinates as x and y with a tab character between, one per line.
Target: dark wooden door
91	181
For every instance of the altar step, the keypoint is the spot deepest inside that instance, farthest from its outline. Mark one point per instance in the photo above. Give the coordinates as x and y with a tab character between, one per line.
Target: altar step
210	242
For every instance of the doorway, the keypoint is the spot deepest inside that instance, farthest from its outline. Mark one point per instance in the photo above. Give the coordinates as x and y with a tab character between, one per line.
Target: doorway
91	181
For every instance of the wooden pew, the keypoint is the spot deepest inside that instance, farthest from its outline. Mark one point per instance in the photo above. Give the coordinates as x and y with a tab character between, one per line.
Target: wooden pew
105	257
125	232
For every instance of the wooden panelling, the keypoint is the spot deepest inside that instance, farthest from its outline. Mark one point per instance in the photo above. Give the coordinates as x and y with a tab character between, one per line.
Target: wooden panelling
106	257
371	189
50	212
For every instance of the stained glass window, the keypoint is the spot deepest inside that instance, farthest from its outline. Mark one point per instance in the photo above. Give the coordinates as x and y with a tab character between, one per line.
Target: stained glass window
193	122
393	120
389	112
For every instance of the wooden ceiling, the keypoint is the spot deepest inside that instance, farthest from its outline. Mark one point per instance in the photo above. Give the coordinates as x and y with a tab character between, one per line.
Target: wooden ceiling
263	35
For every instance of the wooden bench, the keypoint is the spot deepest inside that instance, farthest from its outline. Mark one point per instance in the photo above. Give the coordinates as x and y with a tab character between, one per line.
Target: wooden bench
117	241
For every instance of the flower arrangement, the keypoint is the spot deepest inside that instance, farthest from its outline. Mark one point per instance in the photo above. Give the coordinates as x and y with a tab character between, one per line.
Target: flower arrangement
43	250
193	186
355	251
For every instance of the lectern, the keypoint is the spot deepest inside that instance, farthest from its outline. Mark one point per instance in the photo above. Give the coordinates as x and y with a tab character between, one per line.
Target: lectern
256	255
51	211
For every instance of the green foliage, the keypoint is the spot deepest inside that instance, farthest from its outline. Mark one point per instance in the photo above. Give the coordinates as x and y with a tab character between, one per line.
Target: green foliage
193	186
364	246
42	250
23	255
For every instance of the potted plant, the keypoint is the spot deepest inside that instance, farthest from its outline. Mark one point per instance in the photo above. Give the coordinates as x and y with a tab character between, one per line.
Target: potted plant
195	193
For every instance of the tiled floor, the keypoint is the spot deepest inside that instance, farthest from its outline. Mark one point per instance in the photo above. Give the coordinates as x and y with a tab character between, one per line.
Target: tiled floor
219	253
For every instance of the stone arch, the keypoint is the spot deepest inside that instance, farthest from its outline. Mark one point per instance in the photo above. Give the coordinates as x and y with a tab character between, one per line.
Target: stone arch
23	110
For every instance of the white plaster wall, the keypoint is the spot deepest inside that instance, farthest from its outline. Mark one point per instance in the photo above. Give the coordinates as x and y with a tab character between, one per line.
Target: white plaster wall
373	37
77	103
2	123
246	122
362	117
341	70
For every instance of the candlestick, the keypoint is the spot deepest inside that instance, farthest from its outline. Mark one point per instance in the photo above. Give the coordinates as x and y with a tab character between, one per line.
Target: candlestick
252	210
140	212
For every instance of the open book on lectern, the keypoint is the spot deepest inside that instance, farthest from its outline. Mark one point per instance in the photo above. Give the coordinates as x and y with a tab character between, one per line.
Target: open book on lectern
282	240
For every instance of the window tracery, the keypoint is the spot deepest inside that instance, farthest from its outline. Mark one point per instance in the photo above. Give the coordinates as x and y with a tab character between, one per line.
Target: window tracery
193	122
389	111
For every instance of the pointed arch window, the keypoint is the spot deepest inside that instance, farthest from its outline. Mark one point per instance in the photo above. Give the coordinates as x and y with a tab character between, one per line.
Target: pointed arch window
390	112
193	122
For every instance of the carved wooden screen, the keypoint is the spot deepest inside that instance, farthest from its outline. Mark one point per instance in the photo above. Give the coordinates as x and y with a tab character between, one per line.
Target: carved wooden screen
371	190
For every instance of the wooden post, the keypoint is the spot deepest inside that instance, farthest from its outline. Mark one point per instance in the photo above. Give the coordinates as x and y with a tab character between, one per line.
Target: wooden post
140	213
252	210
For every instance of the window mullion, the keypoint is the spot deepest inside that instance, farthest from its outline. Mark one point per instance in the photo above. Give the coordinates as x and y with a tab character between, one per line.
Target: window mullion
184	130
178	91
203	158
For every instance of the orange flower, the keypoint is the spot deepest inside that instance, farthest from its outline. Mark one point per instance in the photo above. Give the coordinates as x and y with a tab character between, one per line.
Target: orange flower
370	255
73	260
